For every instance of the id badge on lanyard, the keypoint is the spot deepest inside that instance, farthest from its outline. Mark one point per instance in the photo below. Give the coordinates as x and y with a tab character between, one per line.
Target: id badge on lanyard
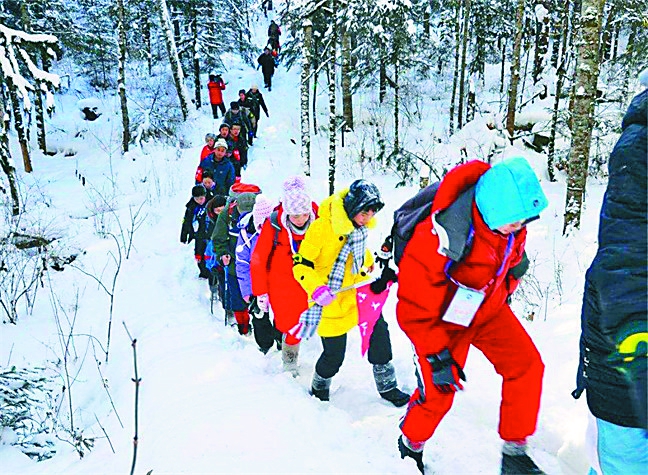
466	301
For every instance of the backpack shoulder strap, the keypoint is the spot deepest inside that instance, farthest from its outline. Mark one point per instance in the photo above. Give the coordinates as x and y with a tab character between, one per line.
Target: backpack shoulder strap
274	221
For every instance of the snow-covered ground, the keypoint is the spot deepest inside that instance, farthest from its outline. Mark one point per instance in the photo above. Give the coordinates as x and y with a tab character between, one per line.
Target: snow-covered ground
209	401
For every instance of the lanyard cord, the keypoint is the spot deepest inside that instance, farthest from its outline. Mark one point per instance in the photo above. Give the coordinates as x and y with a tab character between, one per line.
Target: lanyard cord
509	246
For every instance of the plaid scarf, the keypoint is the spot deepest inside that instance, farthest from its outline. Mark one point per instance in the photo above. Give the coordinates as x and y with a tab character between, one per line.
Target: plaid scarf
355	245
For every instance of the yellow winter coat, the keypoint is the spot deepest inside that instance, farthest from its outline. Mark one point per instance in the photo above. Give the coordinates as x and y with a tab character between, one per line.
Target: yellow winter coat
321	246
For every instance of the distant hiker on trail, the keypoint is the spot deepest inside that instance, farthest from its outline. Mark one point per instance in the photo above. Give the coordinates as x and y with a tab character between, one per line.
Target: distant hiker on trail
445	306
237	149
267	64
271	266
222	170
332	260
210	140
237	115
614	339
274	32
194	227
250	225
256	99
246	106
223	131
216	86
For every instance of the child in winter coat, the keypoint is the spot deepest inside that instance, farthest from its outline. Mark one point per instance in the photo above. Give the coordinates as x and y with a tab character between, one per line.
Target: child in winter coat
237	148
334	256
256	99
223	131
444	306
224	239
272	264
247	108
216	86
238	115
210	140
194	227
215	206
221	170
250	226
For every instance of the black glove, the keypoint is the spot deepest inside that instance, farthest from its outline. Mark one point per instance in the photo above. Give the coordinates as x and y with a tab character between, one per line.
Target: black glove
385	253
446	372
388	275
253	307
183	239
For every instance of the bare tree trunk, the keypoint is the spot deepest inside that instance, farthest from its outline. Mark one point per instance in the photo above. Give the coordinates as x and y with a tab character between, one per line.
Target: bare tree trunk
332	110
121	77
6	163
146	32
608	34
503	65
305	95
315	68
382	84
174	60
19	125
554	119
462	70
584	102
615	48
471	103
196	58
542	40
347	97
515	69
455	76
396	102
40	118
557	9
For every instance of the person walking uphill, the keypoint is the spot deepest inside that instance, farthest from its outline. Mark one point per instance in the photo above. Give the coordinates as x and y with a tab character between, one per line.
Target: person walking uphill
334	256
267	63
216	86
614	323
271	266
445	306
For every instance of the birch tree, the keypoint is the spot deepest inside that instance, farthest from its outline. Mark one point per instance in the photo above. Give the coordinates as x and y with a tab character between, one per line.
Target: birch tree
307	32
587	71
121	76
174	60
331	91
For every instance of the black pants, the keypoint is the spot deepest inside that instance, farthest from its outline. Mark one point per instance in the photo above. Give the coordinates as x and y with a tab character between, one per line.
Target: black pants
267	79
215	108
331	359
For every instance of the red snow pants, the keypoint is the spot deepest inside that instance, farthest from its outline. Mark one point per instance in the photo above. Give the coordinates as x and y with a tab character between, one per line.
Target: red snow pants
509	348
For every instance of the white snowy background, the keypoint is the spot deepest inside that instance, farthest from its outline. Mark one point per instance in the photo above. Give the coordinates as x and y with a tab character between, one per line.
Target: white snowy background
209	401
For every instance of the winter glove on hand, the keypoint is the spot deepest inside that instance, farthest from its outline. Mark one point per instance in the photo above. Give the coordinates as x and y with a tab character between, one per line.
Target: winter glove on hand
253	308
263	303
183	239
190	239
323	295
388	275
384	254
446	372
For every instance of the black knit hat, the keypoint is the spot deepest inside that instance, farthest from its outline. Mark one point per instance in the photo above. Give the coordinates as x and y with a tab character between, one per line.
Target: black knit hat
234	105
362	196
208	174
198	191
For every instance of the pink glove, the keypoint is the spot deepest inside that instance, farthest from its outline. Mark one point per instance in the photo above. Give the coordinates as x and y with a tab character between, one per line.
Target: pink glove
262	302
323	295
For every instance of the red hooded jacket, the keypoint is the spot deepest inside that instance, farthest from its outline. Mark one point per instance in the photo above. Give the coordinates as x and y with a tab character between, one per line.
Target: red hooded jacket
216	91
424	291
275	278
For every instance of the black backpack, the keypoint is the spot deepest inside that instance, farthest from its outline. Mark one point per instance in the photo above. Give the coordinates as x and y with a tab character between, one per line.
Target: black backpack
418	208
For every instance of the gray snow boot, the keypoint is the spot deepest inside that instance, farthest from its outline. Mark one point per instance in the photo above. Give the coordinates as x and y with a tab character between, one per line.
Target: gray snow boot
515	460
385	377
289	356
320	387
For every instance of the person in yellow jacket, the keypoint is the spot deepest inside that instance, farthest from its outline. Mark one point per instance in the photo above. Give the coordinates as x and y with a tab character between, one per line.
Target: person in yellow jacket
333	257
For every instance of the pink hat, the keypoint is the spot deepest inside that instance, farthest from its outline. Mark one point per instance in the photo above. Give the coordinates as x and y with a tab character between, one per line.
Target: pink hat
262	210
295	197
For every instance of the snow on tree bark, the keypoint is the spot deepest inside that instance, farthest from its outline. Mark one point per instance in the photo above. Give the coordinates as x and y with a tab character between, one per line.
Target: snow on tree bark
121	77
332	111
347	97
462	69
455	76
174	60
542	40
307	27
587	72
6	163
515	69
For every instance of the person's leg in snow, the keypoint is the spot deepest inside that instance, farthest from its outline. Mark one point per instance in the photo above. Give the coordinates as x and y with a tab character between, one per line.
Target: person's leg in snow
328	365
380	356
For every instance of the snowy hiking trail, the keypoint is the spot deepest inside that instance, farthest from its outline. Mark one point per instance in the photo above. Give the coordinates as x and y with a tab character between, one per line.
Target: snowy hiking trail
210	402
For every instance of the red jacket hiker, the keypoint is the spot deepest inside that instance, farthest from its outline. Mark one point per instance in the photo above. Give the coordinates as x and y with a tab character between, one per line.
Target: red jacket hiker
216	89
424	294
272	274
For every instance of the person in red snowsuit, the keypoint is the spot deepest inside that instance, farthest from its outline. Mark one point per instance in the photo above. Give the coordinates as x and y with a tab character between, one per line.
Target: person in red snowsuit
216	86
498	202
271	265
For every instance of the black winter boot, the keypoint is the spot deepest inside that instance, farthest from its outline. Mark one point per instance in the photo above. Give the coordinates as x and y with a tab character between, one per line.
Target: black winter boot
320	387
405	451
385	377
515	460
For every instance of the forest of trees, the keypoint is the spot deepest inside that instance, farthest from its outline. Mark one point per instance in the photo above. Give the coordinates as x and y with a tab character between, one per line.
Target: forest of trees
543	48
